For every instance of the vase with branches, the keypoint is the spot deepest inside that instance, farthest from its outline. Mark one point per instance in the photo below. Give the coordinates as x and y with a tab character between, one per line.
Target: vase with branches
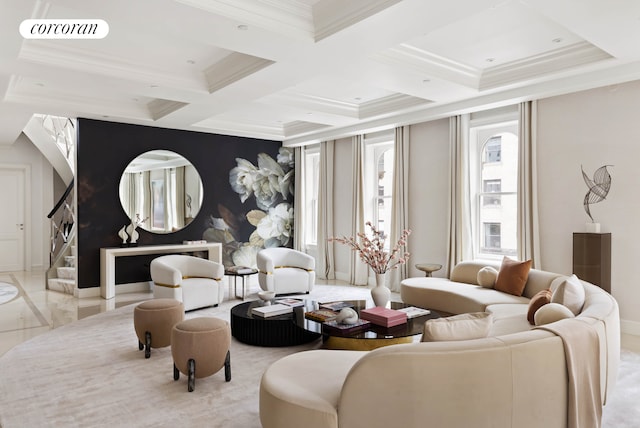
371	249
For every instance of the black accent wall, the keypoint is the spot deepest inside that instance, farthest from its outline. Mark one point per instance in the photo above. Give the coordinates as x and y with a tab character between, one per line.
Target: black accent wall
104	151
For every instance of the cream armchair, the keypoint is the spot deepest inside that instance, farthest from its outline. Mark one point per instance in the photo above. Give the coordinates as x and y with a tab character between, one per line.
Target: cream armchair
192	280
284	270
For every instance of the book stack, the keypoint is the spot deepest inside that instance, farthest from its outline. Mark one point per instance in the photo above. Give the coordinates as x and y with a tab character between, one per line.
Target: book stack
239	270
383	316
321	315
271	310
336	306
294	303
337	329
413	312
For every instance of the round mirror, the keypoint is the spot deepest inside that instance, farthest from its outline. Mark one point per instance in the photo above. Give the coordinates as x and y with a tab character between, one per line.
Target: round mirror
161	191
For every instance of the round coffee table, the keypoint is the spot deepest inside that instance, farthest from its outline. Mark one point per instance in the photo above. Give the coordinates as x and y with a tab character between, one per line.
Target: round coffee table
374	336
280	330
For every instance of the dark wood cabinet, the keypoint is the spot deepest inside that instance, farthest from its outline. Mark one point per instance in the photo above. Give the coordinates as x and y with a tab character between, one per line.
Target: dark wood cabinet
592	258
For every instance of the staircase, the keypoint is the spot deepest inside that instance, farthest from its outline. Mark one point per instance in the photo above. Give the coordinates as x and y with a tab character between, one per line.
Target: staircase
65	276
55	138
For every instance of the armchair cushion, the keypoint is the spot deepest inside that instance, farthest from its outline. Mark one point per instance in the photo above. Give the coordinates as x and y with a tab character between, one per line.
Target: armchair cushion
285	270
192	280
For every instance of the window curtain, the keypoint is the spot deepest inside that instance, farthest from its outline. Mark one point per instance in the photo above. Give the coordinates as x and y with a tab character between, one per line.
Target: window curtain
460	244
169	200
528	232
128	193
180	198
400	201
299	196
144	203
326	257
359	271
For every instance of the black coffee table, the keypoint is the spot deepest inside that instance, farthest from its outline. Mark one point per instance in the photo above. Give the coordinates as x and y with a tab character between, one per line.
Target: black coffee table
294	329
280	330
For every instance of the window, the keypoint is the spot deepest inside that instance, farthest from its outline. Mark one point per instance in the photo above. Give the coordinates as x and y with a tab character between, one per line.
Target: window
311	181
495	180
378	181
493	150
492	237
491	186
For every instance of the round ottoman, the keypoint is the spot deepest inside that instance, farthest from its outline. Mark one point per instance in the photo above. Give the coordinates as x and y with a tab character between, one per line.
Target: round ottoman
200	347
153	321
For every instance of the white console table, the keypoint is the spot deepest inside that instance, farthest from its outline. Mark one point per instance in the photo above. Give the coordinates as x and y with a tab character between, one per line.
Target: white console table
108	260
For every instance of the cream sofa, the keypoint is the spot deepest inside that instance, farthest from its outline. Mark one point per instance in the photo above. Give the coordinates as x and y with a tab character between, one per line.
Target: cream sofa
516	377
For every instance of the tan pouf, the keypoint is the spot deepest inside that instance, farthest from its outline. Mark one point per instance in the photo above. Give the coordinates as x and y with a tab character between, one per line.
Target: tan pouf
200	347
153	321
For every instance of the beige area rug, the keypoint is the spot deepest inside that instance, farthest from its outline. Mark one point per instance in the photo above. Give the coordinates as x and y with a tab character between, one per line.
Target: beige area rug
91	374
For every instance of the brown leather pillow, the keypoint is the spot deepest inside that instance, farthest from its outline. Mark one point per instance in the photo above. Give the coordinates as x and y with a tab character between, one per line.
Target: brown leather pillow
539	300
512	276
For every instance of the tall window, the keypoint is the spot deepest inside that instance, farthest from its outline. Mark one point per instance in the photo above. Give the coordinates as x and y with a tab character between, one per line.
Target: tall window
496	184
311	180
379	180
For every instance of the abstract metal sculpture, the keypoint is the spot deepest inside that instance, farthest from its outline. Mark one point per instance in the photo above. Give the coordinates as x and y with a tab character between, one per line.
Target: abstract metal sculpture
598	187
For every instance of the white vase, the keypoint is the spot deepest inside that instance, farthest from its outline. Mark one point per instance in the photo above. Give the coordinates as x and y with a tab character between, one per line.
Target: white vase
133	233
380	293
123	235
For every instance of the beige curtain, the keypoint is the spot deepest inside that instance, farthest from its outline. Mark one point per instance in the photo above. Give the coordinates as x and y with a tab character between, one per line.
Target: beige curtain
460	244
300	199
144	205
528	232
326	256
400	200
359	271
180	198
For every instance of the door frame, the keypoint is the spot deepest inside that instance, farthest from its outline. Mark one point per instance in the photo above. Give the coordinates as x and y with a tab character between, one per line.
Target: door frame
26	172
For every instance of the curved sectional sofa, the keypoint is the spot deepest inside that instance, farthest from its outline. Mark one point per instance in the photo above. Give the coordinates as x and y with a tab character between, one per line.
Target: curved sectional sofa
519	375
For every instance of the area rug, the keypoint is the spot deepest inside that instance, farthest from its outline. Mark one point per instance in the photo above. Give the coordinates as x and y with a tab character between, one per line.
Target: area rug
90	373
8	292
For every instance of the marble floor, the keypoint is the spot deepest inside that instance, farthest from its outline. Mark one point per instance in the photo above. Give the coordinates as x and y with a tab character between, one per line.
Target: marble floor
36	310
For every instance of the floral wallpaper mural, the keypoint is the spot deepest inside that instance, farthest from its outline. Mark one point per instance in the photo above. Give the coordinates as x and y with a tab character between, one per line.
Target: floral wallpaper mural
266	192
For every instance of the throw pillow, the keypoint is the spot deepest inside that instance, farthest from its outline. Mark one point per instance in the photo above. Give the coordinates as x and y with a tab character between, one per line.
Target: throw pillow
552	312
487	277
512	276
540	299
568	291
458	327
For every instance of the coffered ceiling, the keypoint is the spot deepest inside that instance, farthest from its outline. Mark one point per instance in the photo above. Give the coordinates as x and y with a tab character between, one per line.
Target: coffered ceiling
306	70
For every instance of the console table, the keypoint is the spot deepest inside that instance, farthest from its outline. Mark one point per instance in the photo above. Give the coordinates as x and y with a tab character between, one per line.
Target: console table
108	260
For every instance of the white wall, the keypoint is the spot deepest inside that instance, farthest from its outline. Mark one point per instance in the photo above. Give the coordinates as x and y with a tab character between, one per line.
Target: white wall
592	128
23	152
428	194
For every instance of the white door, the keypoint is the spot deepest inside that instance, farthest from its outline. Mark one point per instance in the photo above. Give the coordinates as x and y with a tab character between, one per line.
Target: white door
12	220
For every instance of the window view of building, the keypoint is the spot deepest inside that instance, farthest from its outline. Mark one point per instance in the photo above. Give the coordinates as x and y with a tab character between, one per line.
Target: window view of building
496	212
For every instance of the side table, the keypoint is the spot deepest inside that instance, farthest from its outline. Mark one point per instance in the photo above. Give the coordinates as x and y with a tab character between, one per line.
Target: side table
242	272
428	268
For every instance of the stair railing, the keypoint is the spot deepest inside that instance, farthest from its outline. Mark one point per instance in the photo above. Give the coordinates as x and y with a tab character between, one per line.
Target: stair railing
63	223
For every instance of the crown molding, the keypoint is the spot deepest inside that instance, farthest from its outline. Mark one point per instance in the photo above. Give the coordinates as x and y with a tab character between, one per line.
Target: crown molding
390	105
429	64
245	129
286	17
299	127
160	108
233	67
575	55
315	103
331	16
85	61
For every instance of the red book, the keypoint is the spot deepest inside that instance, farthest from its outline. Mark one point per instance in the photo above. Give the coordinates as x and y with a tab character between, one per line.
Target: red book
384	316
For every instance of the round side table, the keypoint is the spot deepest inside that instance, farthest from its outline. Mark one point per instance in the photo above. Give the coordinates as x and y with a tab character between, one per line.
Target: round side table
428	268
